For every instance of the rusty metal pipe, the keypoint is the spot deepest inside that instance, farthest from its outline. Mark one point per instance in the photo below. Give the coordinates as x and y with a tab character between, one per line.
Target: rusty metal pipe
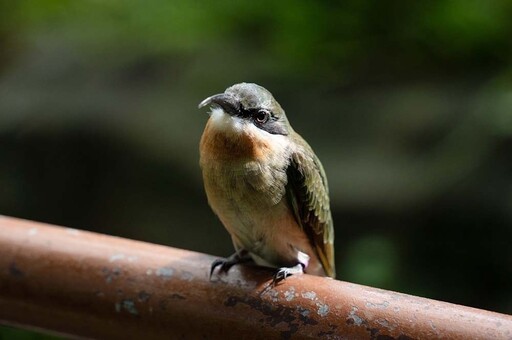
83	284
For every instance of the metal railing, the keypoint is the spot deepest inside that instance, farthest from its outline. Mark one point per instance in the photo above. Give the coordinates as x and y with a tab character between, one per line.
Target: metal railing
83	284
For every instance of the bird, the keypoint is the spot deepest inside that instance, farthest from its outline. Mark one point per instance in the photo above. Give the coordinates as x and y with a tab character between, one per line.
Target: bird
266	185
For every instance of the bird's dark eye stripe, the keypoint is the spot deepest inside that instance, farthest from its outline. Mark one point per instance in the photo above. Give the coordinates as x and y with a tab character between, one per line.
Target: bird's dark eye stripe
247	112
254	112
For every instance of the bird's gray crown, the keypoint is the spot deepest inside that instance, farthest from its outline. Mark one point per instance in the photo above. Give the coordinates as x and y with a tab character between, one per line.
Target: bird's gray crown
254	103
253	96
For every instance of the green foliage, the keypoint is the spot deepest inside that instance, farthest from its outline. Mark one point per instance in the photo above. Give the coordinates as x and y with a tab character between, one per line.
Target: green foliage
7	333
372	260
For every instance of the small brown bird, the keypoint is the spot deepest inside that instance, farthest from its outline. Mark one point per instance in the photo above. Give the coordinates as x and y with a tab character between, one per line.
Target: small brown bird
266	185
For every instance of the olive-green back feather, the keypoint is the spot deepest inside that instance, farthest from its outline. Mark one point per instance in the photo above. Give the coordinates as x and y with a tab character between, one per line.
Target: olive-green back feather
308	195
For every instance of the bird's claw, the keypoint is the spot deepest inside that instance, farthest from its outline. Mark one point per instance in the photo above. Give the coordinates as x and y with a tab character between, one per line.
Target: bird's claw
240	256
281	274
284	272
224	265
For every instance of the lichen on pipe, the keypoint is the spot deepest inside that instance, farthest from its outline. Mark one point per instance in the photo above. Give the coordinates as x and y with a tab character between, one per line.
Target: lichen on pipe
84	284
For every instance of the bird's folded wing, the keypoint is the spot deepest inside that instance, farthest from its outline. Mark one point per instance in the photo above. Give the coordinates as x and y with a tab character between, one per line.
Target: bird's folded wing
308	195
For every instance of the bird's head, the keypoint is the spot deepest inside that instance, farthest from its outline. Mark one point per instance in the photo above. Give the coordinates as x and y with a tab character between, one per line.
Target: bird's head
245	105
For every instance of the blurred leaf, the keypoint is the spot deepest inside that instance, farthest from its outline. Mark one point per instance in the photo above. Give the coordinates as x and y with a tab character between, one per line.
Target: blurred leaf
372	260
9	333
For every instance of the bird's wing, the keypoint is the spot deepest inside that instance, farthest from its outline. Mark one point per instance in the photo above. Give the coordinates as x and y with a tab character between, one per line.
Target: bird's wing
308	195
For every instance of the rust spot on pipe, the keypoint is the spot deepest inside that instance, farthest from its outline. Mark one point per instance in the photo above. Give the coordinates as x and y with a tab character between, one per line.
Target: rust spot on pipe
111	274
165	272
127	305
274	314
143	296
15	271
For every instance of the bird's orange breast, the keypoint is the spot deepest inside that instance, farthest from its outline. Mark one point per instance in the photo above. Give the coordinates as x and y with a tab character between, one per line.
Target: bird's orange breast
219	145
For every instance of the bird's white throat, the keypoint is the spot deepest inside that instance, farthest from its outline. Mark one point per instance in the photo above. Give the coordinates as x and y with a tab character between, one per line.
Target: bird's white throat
227	123
235	127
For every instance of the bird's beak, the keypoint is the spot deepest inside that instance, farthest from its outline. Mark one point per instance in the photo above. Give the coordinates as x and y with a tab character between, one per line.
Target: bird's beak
227	102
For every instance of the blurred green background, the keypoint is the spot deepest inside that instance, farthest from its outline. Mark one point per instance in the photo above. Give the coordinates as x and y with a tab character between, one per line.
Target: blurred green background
407	104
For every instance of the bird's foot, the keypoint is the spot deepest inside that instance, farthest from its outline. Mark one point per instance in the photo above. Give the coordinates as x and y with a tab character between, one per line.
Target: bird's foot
238	257
284	272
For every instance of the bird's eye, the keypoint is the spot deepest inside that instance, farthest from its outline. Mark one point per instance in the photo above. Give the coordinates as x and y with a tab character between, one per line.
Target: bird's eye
262	116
